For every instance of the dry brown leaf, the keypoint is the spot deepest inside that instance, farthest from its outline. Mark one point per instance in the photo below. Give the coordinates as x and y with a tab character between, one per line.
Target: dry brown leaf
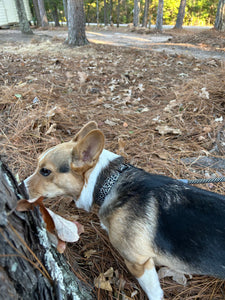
109	273
101	283
110	123
61	246
163	156
67	231
165	129
103	280
53	111
64	230
172	104
121	150
83	77
69	75
51	129
24	205
207	129
89	253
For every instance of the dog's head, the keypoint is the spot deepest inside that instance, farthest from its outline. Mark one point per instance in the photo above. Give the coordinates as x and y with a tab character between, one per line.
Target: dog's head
63	169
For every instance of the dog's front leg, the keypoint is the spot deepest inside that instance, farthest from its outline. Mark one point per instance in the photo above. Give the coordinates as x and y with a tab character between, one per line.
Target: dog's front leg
148	278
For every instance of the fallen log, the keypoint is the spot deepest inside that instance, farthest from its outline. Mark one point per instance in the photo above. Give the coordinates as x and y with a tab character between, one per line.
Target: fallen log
30	266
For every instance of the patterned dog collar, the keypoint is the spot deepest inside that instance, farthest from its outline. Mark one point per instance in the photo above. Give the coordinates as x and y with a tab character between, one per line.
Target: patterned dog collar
109	182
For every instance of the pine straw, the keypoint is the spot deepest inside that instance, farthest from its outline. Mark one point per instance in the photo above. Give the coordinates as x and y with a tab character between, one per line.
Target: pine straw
66	99
208	39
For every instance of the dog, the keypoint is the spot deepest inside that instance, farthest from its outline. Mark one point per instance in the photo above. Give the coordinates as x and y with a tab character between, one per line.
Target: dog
152	220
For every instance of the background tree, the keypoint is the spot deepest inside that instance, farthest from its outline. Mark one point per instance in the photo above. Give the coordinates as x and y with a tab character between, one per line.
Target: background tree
54	9
111	12
220	16
97	12
23	21
136	13
105	12
197	12
37	13
159	20
43	15
76	24
145	16
65	10
181	14
118	13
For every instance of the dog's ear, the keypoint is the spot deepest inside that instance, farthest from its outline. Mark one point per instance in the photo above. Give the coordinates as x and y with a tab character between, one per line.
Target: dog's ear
87	150
85	130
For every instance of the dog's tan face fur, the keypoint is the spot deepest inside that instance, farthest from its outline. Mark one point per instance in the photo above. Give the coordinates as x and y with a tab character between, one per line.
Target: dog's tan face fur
63	169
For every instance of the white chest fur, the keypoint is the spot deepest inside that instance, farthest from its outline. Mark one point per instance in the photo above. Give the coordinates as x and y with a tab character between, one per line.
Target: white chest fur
86	197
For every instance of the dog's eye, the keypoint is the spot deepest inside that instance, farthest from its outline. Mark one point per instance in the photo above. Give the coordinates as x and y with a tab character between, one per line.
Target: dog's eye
45	172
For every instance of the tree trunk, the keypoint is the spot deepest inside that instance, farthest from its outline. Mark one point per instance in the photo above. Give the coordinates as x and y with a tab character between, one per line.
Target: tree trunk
37	12
24	24
76	23
159	20
145	16
136	13
44	19
220	16
65	10
30	268
55	13
181	14
128	15
118	14
105	12
97	12
110	12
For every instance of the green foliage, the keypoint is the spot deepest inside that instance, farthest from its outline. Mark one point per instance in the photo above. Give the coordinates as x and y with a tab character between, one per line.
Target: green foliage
49	8
170	12
198	12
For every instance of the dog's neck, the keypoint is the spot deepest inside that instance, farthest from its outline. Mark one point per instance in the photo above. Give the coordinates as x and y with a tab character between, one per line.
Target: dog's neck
86	198
107	178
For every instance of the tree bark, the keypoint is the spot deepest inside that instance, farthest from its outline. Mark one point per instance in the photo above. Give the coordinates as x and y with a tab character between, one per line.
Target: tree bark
145	16
37	12
55	13
110	12
136	13
97	12
181	14
76	24
159	19
23	21
65	10
105	12
30	268
44	19
118	14
220	16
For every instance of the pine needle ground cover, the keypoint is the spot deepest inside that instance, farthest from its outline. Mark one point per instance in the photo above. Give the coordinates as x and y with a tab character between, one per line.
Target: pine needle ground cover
156	109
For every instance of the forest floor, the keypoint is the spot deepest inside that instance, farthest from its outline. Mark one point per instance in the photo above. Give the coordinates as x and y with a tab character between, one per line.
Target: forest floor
198	42
158	101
